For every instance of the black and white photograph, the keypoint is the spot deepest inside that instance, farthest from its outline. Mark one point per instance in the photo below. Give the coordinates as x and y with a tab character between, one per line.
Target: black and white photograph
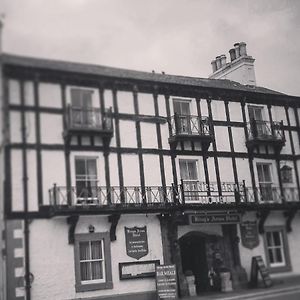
149	150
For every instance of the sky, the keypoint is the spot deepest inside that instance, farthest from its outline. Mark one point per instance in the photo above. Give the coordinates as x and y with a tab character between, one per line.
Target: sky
179	37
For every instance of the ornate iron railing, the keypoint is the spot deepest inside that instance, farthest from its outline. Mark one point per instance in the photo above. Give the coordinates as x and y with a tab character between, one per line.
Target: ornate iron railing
103	196
190	125
264	130
84	118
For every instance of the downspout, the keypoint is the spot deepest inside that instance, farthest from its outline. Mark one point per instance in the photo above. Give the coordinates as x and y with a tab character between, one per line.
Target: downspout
25	191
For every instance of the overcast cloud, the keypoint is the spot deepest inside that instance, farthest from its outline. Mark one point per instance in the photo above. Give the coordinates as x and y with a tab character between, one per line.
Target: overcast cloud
175	36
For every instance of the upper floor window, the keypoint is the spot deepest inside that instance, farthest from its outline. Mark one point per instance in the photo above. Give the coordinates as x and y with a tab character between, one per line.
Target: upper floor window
188	169
86	178
92	261
286	174
255	113
181	107
265	181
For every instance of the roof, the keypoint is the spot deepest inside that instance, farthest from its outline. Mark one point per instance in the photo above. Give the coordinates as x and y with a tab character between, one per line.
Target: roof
99	70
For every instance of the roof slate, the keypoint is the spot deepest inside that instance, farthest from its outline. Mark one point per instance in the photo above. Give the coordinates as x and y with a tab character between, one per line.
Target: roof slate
98	70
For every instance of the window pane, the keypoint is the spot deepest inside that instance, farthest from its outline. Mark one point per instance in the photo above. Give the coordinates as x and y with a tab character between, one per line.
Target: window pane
91	167
81	190
269	239
97	270
271	256
80	166
84	250
75	97
192	170
278	252
85	273
87	98
276	237
96	250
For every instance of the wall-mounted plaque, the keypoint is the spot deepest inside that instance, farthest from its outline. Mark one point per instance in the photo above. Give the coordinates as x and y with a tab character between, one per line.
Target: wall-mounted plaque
249	234
138	269
215	218
136	241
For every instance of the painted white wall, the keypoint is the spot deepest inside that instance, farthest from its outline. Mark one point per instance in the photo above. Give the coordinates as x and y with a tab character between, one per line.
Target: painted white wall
30	127
17	182
239	139
222	138
50	95
146	104
29	94
55	122
14	92
148	135
152	170
49	259
128	134
125	102
226	170
218	110
32	181
168	170
131	170
242	166
15	126
235	112
113	165
161	105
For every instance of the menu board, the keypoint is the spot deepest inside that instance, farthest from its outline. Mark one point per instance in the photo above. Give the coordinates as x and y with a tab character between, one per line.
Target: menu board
258	265
166	281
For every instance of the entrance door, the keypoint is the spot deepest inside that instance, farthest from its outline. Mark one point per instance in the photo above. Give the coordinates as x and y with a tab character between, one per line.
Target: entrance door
265	181
193	257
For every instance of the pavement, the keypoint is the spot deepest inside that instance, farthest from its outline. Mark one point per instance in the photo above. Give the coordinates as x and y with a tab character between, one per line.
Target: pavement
282	288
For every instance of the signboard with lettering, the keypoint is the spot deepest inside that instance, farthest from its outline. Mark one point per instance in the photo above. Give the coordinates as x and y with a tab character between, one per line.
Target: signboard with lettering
249	234
166	282
217	218
136	241
258	265
138	269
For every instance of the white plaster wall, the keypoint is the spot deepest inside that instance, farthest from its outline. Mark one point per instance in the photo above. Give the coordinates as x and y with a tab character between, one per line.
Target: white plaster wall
113	168
292	116
296	142
211	169
235	111
108	99
168	170
148	135
242	166
55	123
239	139
152	170
32	181
226	170
30	127
211	229
161	105
128	134
146	104
278	114
204	108
53	166
125	102
131	170
222	138
287	147
29	94
14	92
50	95
15	126
164	129
218	110
49	259
294	244
17	180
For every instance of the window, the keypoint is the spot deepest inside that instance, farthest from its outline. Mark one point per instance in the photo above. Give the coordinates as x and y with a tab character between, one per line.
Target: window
276	248
183	119
86	178
265	181
81	107
92	261
286	174
258	126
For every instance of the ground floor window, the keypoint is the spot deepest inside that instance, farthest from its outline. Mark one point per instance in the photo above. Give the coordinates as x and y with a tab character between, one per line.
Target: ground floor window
92	261
276	247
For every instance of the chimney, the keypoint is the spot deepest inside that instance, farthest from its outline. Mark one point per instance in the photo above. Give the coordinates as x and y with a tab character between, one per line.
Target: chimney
237	50
232	54
243	50
218	62
214	66
223	60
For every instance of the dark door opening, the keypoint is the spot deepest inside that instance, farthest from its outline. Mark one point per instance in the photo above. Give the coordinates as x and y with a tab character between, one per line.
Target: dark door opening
193	256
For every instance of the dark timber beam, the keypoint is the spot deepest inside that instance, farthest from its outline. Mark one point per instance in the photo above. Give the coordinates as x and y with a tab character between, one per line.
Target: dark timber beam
72	221
114	220
262	217
289	215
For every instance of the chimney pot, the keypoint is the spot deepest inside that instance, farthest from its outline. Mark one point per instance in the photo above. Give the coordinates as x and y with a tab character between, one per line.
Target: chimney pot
214	66
243	50
223	60
232	54
237	50
218	62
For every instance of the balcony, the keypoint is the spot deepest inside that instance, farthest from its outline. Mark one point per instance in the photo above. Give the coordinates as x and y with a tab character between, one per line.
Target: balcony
190	128
265	133
88	120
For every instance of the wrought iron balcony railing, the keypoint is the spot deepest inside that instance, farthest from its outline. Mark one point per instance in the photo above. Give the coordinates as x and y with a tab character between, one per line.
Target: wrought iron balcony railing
263	130
89	118
186	125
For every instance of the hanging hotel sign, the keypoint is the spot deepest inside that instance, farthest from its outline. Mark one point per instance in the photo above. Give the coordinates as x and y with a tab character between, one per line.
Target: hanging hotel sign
136	241
249	234
215	218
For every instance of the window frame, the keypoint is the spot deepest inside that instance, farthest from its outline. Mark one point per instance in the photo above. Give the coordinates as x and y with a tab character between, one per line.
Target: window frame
88	237
279	268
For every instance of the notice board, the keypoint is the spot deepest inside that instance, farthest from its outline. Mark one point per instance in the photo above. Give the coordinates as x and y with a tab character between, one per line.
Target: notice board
166	282
258	266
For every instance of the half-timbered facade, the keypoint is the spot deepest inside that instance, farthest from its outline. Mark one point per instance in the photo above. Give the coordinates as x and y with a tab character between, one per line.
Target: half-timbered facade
108	172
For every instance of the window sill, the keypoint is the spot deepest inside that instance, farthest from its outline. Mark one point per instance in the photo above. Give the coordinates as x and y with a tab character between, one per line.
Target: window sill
280	269
93	286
